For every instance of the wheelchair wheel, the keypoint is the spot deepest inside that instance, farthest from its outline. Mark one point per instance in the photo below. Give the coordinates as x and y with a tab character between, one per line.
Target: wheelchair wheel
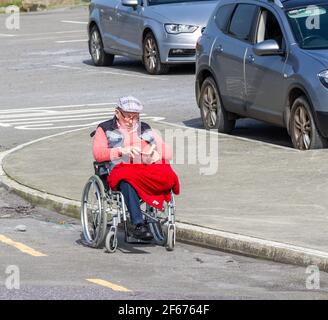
111	242
171	234
93	217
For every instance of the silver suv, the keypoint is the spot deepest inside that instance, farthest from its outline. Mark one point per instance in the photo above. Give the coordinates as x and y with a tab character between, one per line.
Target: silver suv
158	32
266	60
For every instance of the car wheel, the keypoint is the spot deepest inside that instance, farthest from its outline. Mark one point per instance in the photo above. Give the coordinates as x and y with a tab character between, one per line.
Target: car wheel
151	56
99	56
302	127
213	114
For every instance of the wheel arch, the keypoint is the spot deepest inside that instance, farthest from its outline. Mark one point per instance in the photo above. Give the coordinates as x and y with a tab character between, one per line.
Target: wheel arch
201	76
146	31
93	23
293	93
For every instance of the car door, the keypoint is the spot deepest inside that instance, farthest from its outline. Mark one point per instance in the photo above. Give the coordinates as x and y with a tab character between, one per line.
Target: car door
108	23
130	21
227	58
265	82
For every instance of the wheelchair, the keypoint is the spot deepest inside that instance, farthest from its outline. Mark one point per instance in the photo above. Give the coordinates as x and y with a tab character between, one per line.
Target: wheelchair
103	212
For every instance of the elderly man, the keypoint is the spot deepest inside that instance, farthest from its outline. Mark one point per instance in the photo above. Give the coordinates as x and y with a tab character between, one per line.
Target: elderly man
138	161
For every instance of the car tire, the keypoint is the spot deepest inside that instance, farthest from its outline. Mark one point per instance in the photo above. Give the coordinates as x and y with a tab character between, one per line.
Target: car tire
213	113
303	130
151	56
99	57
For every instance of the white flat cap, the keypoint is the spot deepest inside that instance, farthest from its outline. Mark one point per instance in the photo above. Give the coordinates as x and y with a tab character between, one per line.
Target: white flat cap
130	104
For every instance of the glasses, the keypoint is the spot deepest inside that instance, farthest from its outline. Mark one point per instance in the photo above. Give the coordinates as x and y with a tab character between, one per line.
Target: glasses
129	116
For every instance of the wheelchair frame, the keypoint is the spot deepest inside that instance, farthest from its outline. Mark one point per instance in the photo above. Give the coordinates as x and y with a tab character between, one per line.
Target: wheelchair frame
110	211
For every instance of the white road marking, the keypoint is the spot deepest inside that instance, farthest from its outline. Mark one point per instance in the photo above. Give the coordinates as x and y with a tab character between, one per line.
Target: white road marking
54	114
45	118
71	41
58	107
93	70
54	37
41	33
74	22
7	35
66	67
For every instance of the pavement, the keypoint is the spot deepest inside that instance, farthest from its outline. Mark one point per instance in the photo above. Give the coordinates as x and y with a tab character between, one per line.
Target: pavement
261	200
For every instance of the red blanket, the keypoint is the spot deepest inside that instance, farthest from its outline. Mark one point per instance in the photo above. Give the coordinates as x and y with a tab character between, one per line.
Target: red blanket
153	182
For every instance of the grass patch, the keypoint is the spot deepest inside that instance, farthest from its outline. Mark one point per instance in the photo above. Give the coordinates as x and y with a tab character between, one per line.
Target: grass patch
17	3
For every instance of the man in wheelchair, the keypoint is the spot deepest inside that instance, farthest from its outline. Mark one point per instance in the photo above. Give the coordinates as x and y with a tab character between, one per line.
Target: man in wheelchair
138	162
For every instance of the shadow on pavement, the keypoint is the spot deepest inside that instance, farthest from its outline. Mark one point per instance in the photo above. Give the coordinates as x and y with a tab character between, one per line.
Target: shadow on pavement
125	64
254	130
126	248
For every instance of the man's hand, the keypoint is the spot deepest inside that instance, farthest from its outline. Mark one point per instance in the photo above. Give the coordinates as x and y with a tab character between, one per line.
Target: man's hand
131	151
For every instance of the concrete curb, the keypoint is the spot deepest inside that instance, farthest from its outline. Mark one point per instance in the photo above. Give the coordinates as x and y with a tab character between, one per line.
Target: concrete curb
215	239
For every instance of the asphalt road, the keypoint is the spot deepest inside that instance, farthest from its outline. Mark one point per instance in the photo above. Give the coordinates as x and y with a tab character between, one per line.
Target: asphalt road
49	85
45	67
68	270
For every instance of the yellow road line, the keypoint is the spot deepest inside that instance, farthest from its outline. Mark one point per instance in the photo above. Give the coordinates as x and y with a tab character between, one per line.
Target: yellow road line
108	284
22	247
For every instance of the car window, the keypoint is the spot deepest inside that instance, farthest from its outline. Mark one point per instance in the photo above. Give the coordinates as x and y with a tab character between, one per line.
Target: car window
242	21
269	28
223	16
310	26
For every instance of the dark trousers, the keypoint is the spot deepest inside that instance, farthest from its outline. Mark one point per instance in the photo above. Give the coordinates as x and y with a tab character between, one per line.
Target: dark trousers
132	201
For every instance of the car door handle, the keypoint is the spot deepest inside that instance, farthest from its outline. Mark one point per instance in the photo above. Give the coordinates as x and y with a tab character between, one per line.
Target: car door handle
218	49
251	58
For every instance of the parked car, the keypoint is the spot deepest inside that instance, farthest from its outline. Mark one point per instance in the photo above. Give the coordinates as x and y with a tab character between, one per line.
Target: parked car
266	60
159	32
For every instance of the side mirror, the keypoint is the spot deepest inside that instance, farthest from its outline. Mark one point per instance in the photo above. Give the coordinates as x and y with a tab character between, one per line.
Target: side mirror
130	3
267	48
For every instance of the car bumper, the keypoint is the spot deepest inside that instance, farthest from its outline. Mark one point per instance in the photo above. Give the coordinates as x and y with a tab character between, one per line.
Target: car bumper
322	122
179	48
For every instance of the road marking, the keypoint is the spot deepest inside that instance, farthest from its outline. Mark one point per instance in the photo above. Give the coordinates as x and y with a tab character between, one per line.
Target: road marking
58	107
85	69
74	22
70	41
108	284
67	116
7	35
40	33
66	67
54	37
22	247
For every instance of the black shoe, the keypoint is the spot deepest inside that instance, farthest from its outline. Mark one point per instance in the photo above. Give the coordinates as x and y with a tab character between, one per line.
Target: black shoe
142	232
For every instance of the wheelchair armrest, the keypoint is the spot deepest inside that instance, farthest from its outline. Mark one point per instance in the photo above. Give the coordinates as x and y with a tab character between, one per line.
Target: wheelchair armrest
101	168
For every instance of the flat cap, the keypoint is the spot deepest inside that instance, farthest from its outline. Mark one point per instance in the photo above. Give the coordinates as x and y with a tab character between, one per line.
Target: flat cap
130	104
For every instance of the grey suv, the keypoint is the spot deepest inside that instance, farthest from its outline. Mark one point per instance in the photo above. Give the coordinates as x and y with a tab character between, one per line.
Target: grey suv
266	60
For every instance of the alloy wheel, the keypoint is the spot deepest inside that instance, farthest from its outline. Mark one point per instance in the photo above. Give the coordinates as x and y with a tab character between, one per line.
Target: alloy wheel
302	128
150	54
95	46
210	106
